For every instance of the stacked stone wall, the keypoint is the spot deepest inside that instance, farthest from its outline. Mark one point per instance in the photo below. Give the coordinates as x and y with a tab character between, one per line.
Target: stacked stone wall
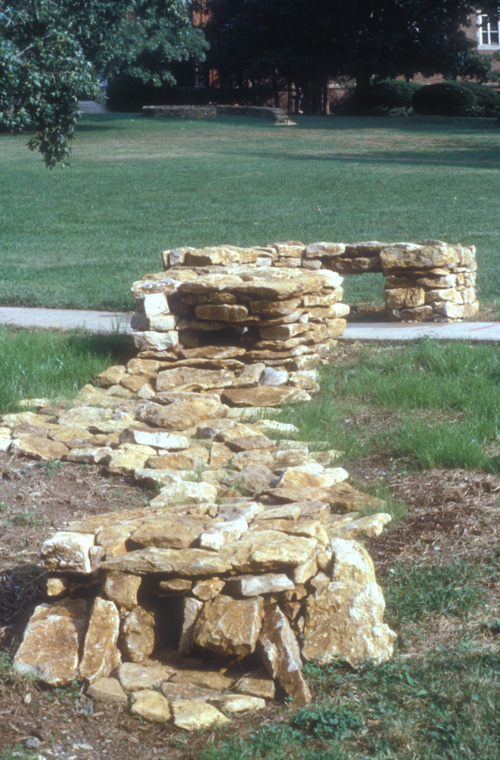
251	548
425	281
276	115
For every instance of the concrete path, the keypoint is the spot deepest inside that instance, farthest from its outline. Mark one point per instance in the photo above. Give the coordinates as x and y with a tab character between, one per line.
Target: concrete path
107	321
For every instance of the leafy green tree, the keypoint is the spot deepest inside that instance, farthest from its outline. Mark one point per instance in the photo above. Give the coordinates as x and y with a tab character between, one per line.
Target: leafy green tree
154	35
54	52
310	41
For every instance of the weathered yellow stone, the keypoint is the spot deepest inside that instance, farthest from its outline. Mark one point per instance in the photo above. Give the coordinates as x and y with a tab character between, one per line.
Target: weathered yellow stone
189	459
150	705
122	589
260	551
369	526
39	447
100	652
148	674
52	642
182	415
188	494
129	457
111	376
229	626
281	655
175	586
237	703
403	298
170	532
185	690
415	256
107	690
344	619
222	312
209	679
266	583
113	539
265	395
185	563
71	436
138	634
258	684
207	589
195	716
193	379
191	610
68	551
221	533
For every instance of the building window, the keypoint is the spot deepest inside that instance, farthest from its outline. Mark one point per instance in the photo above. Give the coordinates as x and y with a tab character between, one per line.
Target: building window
488	30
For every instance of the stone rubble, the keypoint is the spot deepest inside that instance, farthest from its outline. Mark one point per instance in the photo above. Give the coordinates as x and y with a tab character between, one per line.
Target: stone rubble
246	563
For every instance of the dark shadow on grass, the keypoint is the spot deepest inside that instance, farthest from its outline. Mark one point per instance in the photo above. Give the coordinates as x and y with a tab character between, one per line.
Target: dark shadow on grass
477	158
119	345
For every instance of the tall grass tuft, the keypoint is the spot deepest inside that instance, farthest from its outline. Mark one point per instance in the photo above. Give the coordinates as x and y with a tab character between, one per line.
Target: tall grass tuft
36	364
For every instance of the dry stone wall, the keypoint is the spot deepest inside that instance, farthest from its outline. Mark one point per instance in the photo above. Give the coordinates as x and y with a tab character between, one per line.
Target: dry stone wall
249	560
425	281
276	115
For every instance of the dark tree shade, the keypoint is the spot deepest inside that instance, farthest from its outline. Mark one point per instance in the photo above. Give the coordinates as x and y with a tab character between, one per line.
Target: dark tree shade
55	52
309	41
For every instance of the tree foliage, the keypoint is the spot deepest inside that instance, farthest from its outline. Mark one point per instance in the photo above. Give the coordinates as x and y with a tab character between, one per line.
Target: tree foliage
309	41
55	52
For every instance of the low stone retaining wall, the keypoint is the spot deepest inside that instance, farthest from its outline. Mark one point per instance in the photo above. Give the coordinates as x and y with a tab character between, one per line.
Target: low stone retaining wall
275	115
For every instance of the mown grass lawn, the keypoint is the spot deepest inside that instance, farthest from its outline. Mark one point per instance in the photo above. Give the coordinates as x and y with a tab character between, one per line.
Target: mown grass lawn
80	237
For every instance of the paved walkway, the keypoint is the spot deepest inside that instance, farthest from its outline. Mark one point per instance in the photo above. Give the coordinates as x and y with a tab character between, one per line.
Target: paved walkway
107	321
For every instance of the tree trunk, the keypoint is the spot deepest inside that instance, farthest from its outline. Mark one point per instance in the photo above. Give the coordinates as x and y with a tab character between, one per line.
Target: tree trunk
363	91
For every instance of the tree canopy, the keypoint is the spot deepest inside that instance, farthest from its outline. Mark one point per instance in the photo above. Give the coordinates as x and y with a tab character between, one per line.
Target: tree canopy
309	41
55	52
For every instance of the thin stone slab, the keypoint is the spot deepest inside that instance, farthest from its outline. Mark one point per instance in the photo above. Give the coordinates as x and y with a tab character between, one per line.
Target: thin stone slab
100	651
186	563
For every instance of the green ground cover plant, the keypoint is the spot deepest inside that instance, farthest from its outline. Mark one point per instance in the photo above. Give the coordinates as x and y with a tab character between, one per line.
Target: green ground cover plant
36	364
80	237
428	403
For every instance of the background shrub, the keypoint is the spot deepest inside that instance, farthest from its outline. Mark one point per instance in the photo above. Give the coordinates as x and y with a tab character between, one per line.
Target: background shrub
391	95
488	99
446	99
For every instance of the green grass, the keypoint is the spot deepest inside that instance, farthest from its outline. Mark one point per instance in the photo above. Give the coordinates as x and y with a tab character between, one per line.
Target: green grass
444	704
44	364
80	237
430	403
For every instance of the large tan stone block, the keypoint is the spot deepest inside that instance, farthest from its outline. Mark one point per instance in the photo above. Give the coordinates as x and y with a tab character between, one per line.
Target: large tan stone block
138	634
68	551
229	627
268	550
429	255
182	415
345	620
196	716
122	589
50	650
150	705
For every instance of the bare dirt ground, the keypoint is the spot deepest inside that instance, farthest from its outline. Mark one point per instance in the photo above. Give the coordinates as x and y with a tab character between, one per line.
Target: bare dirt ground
451	514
